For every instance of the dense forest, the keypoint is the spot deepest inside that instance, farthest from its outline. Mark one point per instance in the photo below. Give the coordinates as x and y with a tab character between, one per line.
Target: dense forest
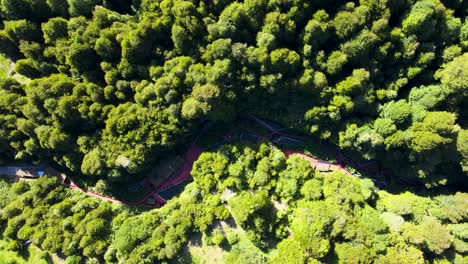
384	80
254	205
104	89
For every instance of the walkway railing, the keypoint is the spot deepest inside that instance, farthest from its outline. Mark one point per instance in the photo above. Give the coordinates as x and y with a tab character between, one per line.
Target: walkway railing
194	152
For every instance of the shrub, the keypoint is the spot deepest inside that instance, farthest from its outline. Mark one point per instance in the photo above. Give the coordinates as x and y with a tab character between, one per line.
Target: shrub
232	237
14	245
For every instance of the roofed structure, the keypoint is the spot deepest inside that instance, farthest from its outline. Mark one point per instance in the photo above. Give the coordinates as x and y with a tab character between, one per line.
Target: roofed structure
323	166
28	172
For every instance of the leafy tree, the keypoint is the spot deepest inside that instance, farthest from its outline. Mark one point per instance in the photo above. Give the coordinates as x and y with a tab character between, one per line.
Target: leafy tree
406	205
450	208
311	227
245	206
384	126
54	29
367	141
218	49
293	176
88	83
355	83
284	60
464	34
335	62
353	253
192	108
420	19
14	246
28	68
462	143
81	8
428	97
393	221
289	251
434	131
317	31
58	7
346	23
244	254
8	47
399	112
36	10
82	58
402	254
139	42
280	26
430	235
360	48
339	185
455	74
22	30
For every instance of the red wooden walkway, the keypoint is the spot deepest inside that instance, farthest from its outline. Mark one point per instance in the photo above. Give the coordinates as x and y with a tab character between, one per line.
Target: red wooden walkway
192	154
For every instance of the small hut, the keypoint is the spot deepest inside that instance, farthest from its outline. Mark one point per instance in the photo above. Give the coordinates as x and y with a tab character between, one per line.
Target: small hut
323	166
34	172
28	172
31	173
